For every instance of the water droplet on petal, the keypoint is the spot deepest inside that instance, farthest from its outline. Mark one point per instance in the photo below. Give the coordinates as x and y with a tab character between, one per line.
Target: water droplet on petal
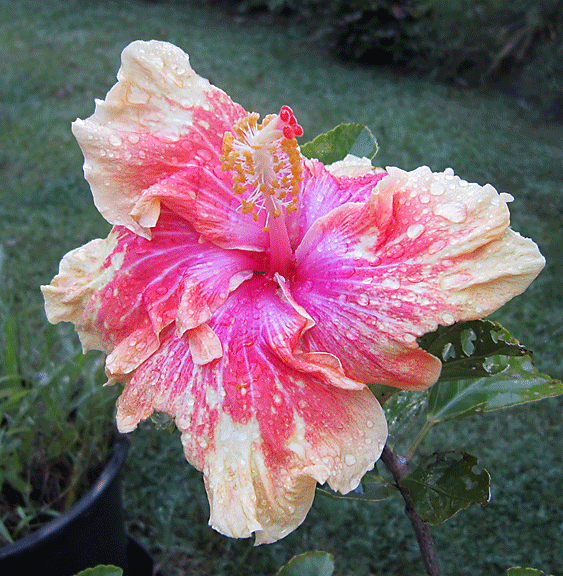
363	300
136	95
350	459
415	231
455	212
391	282
115	140
447	318
437	189
436	246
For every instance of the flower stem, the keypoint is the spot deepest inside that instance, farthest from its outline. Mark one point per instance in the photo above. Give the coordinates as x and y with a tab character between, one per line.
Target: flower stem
399	469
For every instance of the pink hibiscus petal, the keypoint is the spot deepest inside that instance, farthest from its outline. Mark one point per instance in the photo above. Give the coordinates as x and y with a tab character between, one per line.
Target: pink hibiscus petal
324	188
159	118
262	432
426	249
123	291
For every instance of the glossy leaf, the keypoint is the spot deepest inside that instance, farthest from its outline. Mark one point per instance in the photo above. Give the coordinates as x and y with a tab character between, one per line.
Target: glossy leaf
464	348
102	570
510	381
309	564
406	415
444	484
338	143
383	392
372	488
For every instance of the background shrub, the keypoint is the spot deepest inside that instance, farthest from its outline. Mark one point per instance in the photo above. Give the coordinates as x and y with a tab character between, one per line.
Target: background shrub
516	46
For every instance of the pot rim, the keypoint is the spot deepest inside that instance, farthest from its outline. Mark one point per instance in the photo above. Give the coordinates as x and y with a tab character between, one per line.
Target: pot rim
49	530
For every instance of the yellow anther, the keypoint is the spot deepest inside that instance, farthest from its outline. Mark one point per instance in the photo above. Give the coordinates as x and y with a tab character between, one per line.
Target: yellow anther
263	163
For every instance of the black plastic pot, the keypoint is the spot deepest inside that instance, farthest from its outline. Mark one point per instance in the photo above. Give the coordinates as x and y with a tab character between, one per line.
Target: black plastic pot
92	532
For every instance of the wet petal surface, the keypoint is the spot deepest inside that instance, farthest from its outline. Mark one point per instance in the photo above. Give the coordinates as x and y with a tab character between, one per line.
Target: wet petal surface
262	431
427	249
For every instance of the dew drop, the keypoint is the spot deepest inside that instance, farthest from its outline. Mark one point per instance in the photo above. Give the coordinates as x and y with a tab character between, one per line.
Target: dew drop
391	282
396	251
369	424
350	459
447	318
437	189
455	212
363	300
409	338
136	95
115	140
436	246
415	231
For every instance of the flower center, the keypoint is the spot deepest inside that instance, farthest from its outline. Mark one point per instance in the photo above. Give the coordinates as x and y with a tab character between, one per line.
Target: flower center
267	164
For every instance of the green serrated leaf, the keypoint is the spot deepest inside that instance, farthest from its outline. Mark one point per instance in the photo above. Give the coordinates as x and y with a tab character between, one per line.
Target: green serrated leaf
345	139
518	571
446	483
510	381
309	564
464	348
101	570
372	488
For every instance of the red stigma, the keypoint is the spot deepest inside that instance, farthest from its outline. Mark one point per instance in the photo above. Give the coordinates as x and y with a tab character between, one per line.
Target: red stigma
288	132
291	128
286	114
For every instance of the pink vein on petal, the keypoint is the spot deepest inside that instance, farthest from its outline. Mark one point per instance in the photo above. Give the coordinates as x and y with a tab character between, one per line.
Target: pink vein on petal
387	271
159	118
321	192
262	432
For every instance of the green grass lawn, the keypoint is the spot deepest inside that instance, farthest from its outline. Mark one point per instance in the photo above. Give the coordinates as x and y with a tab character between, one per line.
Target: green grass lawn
58	56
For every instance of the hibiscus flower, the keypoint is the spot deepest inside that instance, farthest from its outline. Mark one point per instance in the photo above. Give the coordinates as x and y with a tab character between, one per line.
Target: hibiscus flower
251	293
